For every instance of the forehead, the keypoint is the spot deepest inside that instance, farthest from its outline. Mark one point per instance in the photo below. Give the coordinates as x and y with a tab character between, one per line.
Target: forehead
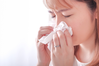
58	4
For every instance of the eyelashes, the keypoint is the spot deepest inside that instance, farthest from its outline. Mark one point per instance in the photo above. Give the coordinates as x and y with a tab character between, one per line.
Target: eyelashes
64	16
53	16
67	16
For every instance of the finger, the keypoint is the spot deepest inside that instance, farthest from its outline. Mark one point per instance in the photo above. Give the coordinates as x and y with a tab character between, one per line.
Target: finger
52	50
56	41
62	39
43	32
46	47
40	45
46	27
68	38
52	47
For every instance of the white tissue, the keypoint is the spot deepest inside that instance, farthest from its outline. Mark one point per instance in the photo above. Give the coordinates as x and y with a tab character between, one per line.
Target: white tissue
62	26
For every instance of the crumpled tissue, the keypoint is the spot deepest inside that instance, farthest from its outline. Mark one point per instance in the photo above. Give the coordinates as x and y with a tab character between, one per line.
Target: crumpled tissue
62	26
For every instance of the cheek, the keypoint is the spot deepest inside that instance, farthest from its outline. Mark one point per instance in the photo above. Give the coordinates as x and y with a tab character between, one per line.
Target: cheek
77	31
82	30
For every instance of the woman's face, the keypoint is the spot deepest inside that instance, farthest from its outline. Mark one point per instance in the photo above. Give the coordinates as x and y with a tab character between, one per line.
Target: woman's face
79	18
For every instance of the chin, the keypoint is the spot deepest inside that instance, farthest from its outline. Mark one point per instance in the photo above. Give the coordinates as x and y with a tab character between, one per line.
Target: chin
75	43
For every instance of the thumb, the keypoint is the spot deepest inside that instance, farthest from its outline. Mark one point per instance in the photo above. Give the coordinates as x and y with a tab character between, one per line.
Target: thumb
48	51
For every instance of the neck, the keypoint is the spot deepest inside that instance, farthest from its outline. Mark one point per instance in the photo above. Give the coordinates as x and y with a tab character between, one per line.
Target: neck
85	52
89	45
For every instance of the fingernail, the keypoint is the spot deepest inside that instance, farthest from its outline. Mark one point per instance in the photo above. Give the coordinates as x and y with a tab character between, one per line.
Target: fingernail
66	31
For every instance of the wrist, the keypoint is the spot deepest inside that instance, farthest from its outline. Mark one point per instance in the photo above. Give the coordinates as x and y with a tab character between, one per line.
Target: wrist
41	64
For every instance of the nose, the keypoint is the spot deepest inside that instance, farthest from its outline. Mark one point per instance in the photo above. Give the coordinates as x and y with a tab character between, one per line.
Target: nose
57	21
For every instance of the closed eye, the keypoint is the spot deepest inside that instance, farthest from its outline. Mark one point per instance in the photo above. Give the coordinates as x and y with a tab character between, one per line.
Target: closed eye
53	16
67	16
64	16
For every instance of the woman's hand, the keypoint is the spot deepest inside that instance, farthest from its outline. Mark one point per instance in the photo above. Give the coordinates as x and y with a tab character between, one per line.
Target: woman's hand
42	50
63	53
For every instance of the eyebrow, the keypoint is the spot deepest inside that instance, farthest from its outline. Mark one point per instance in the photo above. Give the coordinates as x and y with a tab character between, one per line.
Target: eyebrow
60	10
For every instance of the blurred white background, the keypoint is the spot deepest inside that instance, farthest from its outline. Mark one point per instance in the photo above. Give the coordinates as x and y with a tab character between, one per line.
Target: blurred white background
19	23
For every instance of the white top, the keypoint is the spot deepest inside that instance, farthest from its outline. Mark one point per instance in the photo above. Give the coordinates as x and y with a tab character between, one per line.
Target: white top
76	63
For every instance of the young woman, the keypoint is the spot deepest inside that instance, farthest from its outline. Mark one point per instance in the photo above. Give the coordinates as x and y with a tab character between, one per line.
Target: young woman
81	49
